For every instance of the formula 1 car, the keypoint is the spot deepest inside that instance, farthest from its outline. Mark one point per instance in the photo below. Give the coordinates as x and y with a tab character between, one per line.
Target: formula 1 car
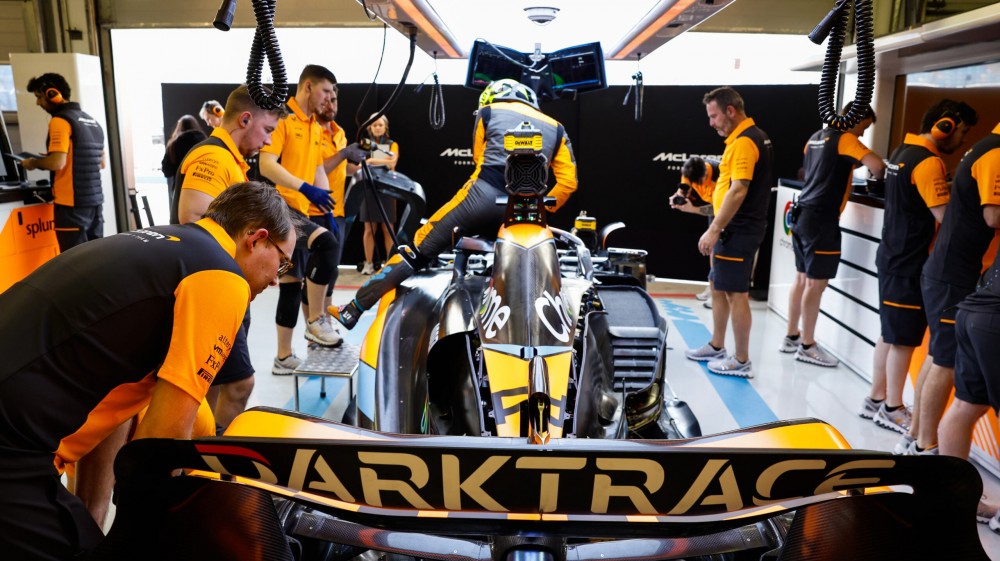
513	406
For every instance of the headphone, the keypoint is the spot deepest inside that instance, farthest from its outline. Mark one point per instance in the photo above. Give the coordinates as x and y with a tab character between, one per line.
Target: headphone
945	127
218	111
54	95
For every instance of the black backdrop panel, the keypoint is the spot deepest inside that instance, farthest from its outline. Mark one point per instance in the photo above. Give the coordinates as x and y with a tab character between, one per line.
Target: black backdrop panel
627	169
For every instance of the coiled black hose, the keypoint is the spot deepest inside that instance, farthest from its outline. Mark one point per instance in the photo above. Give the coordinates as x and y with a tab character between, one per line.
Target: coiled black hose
437	105
265	43
835	25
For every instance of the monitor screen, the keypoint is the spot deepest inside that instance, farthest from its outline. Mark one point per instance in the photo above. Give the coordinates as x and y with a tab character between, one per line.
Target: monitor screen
10	173
487	63
578	68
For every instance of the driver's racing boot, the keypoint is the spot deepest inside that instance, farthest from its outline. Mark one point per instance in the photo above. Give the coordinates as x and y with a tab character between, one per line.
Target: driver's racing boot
347	315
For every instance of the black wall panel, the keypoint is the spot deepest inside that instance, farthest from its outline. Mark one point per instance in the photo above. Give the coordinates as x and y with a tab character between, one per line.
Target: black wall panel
627	168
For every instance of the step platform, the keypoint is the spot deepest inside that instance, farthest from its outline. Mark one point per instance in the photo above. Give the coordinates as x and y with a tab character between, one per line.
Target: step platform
328	362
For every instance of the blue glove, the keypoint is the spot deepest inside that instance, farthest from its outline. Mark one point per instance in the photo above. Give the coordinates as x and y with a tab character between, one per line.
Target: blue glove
354	153
332	225
317	196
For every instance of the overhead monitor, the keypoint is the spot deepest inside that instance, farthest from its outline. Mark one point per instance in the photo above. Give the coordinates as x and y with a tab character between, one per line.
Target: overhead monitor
572	70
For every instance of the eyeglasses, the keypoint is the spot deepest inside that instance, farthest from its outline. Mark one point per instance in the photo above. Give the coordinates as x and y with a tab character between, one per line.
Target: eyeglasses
286	263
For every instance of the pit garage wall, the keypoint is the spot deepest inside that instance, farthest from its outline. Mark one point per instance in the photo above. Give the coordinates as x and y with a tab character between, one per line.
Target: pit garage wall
627	169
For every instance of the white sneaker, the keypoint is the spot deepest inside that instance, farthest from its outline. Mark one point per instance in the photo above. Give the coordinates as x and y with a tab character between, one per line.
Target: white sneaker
789	345
705	353
816	355
986	513
898	420
904	444
731	367
285	366
869	407
368	269
704	294
322	332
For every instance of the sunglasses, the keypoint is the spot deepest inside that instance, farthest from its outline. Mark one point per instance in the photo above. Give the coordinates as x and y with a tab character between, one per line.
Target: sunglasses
286	263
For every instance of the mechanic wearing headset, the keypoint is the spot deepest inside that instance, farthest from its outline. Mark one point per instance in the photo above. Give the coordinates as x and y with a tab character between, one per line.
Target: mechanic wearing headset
212	113
88	342
740	201
916	192
830	157
208	169
75	157
294	162
503	105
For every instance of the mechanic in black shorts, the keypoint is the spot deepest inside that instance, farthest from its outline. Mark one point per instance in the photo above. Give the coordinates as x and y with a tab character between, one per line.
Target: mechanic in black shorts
916	195
740	199
829	160
90	338
969	226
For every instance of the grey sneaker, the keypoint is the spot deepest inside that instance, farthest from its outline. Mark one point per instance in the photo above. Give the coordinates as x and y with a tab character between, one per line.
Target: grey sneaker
904	444
322	332
285	366
816	355
869	407
911	450
789	345
705	353
898	420
731	367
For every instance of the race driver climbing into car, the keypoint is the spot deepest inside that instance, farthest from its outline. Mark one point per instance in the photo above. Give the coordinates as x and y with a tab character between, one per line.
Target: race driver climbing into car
503	105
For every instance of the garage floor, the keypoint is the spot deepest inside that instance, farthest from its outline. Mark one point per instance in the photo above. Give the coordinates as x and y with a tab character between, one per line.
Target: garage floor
782	388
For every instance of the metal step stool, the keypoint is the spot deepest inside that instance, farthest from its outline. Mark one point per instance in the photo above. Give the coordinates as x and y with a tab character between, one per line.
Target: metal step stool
327	362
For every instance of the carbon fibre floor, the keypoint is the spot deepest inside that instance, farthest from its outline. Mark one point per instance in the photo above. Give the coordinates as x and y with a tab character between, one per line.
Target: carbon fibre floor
782	387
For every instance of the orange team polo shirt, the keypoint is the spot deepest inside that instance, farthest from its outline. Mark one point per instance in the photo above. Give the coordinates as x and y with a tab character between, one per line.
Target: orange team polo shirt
930	176
706	188
59	141
986	172
210	169
334	140
297	142
738	161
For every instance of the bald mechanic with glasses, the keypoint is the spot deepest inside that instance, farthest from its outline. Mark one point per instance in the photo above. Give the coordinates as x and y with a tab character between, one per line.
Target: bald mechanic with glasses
90	338
503	105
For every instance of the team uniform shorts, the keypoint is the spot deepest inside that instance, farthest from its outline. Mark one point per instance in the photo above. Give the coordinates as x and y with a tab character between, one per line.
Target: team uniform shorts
901	310
816	243
300	256
940	303
732	260
976	378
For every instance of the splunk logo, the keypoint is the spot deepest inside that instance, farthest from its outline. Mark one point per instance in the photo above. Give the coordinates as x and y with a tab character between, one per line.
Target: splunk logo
37	227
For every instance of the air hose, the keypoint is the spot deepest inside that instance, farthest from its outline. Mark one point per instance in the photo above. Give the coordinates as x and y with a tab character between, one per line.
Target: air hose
265	43
835	26
437	105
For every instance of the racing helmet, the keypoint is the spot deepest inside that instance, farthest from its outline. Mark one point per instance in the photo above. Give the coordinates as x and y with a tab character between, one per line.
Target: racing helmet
508	90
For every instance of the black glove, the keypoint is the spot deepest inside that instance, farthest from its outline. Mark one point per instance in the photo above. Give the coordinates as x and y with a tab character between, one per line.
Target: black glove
354	153
317	196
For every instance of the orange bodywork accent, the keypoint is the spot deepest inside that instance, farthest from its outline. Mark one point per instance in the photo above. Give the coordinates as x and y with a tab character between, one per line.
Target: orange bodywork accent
525	235
370	346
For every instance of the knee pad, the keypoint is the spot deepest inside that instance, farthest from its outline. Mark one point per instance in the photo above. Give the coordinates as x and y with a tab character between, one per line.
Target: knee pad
289	299
322	259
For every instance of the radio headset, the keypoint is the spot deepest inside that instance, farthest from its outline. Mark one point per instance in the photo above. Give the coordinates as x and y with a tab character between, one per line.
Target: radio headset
54	96
945	127
218	111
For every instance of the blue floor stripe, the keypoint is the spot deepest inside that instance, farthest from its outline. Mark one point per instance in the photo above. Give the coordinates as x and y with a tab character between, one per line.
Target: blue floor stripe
310	402
744	403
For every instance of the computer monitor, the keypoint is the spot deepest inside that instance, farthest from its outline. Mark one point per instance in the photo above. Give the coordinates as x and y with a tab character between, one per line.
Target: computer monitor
488	63
574	70
579	68
10	172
